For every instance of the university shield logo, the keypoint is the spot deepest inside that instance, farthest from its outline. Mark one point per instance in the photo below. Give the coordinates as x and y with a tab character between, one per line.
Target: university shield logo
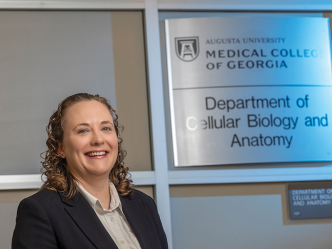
187	48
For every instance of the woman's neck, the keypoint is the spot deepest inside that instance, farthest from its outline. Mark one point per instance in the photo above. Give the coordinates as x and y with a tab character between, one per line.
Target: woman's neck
99	188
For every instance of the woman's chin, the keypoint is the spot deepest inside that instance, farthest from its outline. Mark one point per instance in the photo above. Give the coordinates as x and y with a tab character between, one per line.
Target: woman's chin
99	172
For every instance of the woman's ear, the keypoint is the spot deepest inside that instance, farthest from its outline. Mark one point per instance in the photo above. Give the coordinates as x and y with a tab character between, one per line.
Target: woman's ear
60	150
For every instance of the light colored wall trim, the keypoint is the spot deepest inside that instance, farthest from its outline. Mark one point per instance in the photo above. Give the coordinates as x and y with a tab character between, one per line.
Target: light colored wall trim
124	5
244	7
141	178
323	173
11	182
71	5
158	124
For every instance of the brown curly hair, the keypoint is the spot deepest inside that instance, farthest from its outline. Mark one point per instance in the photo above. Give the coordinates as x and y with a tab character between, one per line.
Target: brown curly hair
58	176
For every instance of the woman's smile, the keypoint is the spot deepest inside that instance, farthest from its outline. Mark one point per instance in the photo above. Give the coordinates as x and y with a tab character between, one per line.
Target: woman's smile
96	154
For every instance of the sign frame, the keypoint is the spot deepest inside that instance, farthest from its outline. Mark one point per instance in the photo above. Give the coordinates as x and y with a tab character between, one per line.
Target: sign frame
172	112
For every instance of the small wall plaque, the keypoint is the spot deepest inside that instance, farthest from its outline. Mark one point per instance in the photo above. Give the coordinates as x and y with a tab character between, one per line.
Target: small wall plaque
310	200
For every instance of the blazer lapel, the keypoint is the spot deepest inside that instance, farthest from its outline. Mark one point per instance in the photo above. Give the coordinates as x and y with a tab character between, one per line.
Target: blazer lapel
86	219
136	215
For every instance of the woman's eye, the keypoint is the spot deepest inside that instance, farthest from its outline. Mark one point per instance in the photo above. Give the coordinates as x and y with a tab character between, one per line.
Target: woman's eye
106	129
82	131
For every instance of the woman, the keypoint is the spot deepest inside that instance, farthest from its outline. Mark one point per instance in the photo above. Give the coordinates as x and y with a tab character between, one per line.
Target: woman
86	200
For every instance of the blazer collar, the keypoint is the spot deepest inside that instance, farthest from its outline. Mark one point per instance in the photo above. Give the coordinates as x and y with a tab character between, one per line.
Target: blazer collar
86	219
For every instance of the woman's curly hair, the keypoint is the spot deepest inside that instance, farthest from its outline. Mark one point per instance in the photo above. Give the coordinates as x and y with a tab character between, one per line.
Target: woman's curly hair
55	169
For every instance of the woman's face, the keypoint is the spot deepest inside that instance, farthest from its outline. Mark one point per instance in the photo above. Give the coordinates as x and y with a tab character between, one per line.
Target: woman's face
90	142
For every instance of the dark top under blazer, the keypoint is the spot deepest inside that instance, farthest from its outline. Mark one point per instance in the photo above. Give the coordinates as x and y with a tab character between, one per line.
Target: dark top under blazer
48	220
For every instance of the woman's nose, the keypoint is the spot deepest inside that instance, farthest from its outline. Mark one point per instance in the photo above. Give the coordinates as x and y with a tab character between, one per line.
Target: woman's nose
97	138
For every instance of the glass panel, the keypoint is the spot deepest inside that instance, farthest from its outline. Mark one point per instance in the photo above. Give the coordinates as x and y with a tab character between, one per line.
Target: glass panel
47	56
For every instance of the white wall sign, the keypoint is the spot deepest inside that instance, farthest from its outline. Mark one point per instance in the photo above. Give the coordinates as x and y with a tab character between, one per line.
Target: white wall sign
249	90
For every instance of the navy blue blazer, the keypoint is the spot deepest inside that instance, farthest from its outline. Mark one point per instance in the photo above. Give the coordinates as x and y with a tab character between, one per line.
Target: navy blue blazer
48	220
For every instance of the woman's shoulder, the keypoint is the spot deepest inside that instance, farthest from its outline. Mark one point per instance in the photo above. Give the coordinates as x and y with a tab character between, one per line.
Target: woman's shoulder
44	197
137	194
45	194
